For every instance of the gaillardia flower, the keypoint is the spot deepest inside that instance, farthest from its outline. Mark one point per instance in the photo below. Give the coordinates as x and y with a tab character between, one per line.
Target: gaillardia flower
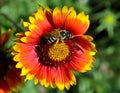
9	75
54	45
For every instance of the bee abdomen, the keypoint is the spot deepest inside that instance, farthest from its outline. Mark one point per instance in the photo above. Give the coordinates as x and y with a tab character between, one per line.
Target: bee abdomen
51	40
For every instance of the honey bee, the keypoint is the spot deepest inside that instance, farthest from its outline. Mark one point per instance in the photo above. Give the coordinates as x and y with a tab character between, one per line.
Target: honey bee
57	35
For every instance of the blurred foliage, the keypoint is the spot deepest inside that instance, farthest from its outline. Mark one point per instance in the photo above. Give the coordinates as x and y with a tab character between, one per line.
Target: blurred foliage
104	27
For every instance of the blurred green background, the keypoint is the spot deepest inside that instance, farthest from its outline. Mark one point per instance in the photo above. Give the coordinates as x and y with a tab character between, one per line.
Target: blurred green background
105	28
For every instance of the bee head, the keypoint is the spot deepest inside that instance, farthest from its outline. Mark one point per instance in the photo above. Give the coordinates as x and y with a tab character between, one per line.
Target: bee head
65	34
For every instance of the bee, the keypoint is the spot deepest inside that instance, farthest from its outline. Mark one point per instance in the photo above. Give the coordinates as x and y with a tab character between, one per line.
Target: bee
57	35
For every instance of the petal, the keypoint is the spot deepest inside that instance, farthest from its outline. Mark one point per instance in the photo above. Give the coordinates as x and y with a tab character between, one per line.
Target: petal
64	78
16	48
32	26
59	16
85	43
85	19
24	71
65	9
26	24
44	25
24	39
48	13
42	76
36	81
32	19
29	77
28	57
29	61
16	57
19	65
75	24
82	62
59	79
40	15
25	47
33	37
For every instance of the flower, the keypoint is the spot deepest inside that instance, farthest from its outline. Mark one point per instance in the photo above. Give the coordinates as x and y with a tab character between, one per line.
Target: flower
9	75
4	37
54	45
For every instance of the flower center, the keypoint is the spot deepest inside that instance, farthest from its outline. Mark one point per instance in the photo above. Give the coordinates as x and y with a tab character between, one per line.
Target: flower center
55	54
58	51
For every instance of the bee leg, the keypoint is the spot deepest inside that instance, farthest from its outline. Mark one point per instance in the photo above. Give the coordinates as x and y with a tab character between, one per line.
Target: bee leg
62	40
57	41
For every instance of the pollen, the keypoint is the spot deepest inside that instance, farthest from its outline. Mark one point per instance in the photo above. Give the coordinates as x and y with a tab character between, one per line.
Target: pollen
59	51
56	54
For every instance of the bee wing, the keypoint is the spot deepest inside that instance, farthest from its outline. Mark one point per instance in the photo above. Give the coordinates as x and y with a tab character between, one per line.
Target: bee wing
47	36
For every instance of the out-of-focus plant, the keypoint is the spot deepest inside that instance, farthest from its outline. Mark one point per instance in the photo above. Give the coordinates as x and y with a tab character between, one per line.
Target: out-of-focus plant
108	20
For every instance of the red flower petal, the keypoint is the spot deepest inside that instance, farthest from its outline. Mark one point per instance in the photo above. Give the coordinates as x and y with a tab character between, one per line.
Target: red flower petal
75	26
85	43
81	62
